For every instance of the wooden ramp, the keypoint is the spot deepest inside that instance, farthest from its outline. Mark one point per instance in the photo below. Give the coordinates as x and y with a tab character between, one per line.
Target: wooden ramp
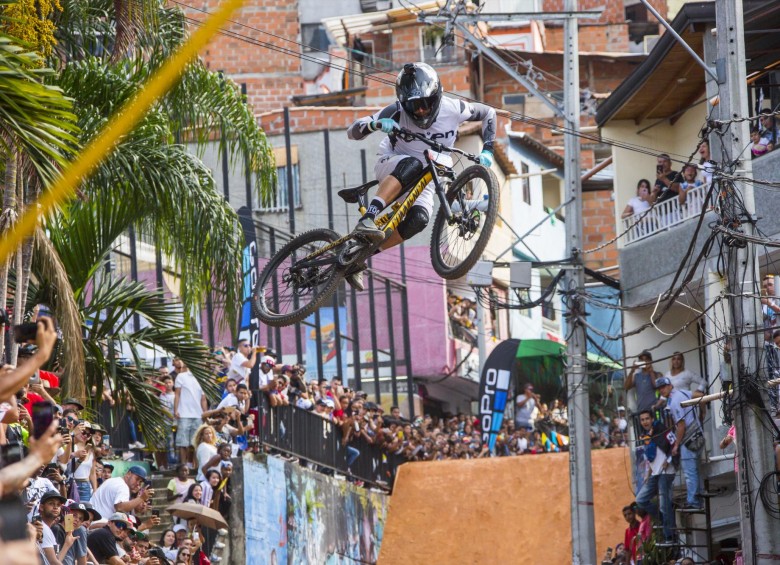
503	510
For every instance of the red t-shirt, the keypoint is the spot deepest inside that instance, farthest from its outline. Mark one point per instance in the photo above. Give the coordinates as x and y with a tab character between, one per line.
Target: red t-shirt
630	540
32	399
54	380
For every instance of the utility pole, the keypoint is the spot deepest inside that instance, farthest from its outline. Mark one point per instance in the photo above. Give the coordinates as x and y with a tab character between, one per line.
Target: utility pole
580	471
760	531
583	530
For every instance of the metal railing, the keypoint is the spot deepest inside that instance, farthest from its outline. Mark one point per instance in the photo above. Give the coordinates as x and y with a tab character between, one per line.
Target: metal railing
394	60
665	215
318	441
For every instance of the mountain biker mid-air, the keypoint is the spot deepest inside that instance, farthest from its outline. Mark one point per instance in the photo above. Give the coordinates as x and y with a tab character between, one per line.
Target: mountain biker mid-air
421	108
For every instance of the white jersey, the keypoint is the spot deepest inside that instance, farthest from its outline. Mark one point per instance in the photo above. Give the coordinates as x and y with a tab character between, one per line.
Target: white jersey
444	128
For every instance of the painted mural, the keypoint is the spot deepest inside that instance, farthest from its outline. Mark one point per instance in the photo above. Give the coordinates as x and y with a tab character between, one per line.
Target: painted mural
293	515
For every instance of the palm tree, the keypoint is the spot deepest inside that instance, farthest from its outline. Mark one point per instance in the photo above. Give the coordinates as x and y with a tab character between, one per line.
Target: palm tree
152	184
36	131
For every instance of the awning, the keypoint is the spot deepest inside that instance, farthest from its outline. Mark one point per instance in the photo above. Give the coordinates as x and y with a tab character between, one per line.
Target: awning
541	361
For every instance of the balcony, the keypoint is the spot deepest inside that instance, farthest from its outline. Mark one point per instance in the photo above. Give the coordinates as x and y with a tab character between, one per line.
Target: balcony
664	216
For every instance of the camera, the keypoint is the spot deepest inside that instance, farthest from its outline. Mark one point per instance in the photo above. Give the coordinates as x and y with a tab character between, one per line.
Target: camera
159	554
11	453
22	332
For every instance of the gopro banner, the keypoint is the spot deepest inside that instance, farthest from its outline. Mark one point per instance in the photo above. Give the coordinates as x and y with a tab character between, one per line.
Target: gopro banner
494	389
249	325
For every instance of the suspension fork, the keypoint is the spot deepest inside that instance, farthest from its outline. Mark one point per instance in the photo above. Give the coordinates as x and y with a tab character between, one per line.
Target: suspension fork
445	206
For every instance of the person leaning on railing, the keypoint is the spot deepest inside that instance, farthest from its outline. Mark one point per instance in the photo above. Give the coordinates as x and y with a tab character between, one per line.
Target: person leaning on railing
641	202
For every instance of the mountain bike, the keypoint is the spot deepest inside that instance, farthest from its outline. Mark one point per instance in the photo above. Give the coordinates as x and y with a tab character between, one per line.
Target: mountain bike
306	271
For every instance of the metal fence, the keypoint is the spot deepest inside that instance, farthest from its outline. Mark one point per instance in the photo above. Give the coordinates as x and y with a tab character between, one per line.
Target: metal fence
317	441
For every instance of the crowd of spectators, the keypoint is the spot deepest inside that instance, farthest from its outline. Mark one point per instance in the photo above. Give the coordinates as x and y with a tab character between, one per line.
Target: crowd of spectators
69	497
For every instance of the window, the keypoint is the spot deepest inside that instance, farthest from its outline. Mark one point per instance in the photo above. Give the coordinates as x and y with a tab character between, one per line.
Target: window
276	200
526	184
314	38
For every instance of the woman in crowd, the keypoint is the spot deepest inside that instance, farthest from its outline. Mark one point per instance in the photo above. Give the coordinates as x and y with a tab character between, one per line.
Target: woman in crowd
168	544
194	494
205	444
209	486
82	465
639	203
183	557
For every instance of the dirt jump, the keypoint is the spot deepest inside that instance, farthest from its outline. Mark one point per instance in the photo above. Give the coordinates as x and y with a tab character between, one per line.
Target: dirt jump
500	510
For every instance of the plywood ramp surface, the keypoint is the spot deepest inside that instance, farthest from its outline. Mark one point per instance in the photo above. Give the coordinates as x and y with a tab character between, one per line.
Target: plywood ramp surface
503	510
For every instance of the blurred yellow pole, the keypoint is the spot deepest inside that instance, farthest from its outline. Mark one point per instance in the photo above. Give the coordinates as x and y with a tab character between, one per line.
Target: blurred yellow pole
121	124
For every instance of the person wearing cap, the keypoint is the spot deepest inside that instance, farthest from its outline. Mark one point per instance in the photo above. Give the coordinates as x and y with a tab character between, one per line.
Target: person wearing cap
50	509
75	551
103	542
642	377
189	403
524	408
73	404
658	479
114	494
242	362
267	381
686	421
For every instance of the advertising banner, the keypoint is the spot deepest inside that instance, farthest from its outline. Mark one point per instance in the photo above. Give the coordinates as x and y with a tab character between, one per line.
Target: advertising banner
249	324
327	350
494	389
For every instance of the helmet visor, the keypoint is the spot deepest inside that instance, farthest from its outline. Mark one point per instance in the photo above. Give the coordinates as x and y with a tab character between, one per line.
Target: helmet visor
420	108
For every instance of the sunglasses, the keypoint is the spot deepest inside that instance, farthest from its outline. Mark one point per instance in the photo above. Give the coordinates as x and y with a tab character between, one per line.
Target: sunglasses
120	525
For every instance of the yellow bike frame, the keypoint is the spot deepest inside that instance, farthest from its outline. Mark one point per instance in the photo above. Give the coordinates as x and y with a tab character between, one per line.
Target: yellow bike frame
389	221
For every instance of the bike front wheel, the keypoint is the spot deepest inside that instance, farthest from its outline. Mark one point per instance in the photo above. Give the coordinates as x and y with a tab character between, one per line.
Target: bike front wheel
289	289
458	243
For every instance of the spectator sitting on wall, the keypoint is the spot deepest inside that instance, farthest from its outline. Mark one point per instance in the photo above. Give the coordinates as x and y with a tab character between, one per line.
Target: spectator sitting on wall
277	396
640	203
760	144
667	183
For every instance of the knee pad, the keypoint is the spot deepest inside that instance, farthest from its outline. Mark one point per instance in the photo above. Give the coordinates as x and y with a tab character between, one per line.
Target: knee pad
414	222
407	171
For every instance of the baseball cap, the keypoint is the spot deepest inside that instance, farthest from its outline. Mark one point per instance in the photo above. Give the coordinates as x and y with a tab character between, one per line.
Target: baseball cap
329	403
621	408
138	471
286	368
53	494
179	528
121	517
73	401
662	381
85	507
269	361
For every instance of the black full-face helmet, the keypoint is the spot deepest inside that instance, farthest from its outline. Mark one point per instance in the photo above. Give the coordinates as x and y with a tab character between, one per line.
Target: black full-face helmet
418	89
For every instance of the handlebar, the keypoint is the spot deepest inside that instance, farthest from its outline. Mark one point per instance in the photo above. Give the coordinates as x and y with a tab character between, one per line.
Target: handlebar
408	135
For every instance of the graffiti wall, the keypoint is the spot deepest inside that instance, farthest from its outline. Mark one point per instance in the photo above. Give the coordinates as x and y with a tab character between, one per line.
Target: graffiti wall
293	515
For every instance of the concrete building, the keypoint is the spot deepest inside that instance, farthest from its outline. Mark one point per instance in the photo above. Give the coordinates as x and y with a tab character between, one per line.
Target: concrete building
661	108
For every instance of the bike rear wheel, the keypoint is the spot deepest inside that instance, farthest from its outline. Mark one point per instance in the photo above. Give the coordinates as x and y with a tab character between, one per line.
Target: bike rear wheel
286	293
457	244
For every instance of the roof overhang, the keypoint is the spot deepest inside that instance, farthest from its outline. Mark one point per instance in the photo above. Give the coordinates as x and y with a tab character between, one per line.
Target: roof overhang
536	150
669	81
342	28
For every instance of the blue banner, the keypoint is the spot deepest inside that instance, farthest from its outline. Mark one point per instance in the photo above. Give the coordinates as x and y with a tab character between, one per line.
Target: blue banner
249	324
326	353
494	389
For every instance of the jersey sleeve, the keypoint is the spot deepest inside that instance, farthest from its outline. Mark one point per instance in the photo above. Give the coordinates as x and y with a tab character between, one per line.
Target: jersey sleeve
359	129
476	112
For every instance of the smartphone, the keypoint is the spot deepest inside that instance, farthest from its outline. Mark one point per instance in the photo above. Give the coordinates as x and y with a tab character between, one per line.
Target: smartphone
155	512
35	380
659	168
42	416
67	523
195	536
11	453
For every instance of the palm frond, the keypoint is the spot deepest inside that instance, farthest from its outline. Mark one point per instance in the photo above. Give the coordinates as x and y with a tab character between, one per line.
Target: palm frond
58	295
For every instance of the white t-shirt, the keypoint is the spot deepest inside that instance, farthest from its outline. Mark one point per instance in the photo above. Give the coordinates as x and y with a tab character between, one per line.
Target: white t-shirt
638	205
525	413
85	467
237	371
686	380
112	492
166	399
204	452
35	490
48	539
229	400
266	378
191	393
180	488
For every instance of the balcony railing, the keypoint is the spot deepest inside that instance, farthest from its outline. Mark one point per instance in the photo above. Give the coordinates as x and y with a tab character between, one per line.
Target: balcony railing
393	60
665	215
319	441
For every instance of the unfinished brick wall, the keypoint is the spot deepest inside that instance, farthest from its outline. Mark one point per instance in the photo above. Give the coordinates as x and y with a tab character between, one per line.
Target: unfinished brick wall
271	77
598	214
312	118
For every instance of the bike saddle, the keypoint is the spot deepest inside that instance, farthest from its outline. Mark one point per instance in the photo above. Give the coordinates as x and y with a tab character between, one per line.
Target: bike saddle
351	195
